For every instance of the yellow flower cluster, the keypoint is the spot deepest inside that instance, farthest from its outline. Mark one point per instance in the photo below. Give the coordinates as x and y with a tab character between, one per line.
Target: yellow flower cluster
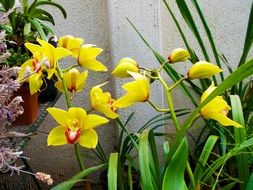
76	125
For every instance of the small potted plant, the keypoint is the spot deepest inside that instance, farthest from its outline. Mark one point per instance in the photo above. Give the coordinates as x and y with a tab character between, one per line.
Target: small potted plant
24	22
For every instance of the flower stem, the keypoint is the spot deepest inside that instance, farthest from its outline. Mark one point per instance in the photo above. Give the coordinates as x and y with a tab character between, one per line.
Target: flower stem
191	176
77	148
71	67
170	102
162	65
60	73
178	82
78	157
156	108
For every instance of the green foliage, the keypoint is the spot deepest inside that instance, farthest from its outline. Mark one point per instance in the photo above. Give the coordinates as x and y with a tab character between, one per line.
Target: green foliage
17	58
29	21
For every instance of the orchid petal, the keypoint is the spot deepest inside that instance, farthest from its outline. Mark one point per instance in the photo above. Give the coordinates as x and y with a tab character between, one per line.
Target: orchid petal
60	116
92	121
88	138
57	137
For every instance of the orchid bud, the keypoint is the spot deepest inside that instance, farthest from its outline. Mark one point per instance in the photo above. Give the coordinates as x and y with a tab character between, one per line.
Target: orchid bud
124	65
178	55
202	70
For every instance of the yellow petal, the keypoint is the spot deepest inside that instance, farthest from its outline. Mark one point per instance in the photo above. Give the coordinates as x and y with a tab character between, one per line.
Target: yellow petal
57	137
124	65
125	101
93	120
222	119
203	69
33	48
61	116
208	91
60	52
77	113
82	80
59	86
107	111
87	58
178	55
138	88
94	65
88	138
35	82
69	42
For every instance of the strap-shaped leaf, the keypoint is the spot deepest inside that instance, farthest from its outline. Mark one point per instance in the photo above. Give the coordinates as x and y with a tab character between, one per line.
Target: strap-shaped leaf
35	23
46	2
238	75
146	162
174	173
250	183
191	24
42	15
66	185
112	171
209	145
240	137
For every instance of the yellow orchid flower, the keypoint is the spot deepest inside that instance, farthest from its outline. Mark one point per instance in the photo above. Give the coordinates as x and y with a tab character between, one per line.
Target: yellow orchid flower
217	109
203	69
71	43
75	81
124	65
75	126
31	71
48	54
87	58
137	91
102	101
178	55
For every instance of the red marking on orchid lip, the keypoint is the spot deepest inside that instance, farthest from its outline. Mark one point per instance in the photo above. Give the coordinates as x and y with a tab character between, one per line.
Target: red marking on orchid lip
72	136
36	65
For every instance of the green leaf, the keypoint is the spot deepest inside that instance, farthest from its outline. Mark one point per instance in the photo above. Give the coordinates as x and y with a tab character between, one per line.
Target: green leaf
174	173
207	174
250	183
41	14
238	75
240	137
78	177
38	27
229	186
146	162
191	24
166	149
202	161
248	39
112	171
209	35
39	3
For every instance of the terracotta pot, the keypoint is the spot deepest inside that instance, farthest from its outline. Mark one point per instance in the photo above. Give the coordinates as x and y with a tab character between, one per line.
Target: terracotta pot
30	106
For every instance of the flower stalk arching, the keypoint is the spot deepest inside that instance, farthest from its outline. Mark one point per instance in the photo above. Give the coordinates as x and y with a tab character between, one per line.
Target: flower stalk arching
69	68
170	102
156	108
177	83
77	148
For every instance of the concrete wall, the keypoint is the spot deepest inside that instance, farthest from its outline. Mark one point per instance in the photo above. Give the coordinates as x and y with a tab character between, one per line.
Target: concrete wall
104	23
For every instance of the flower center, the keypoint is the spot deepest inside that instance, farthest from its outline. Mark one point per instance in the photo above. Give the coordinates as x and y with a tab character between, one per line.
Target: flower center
72	136
73	131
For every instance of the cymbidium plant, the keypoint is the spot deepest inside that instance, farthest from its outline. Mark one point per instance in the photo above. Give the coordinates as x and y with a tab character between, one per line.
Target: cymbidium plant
178	169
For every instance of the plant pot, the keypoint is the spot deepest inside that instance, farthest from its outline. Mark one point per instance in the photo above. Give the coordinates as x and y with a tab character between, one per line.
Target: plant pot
48	90
29	104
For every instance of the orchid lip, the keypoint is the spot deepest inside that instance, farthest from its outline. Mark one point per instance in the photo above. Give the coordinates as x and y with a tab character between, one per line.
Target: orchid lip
72	136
